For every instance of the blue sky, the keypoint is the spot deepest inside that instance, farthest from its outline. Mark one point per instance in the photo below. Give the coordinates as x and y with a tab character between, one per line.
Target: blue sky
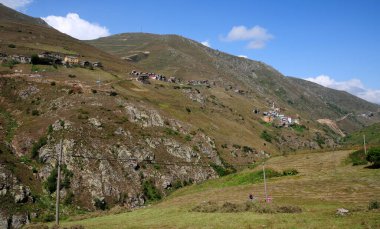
334	43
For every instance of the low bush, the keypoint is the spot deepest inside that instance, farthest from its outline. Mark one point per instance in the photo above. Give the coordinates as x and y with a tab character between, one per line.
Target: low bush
188	138
37	146
358	158
221	170
247	149
290	172
171	132
373	205
100	204
113	93
373	156
150	191
35	112
266	136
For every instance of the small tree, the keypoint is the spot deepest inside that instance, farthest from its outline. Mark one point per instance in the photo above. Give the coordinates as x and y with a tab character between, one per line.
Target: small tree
373	156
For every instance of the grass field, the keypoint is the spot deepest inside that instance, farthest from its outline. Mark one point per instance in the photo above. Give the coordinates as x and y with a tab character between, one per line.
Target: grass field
324	184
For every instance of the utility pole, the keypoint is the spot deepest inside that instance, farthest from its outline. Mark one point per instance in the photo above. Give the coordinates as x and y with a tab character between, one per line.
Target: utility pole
265	184
365	147
58	183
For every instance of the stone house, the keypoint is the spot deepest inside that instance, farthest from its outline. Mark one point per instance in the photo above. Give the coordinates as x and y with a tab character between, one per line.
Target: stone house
71	60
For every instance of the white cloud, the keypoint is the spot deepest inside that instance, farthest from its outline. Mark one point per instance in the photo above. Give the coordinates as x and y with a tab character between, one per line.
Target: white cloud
77	27
243	56
353	86
206	43
16	4
257	36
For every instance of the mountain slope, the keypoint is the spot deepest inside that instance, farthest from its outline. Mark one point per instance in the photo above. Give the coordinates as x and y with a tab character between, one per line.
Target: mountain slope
8	14
187	59
128	143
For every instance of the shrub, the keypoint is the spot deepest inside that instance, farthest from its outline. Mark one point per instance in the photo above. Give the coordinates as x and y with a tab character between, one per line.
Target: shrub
247	149
35	113
94	91
113	93
373	205
100	204
224	146
373	156
269	173
188	110
171	132
34	170
51	181
50	129
150	191
188	138
52	83
69	199
12	46
72	76
290	172
37	146
222	171
177	184
25	159
48	218
358	158
266	136
9	63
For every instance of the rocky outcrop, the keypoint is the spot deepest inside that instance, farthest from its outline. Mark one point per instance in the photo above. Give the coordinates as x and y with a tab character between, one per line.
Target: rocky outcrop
194	95
95	122
146	118
30	90
180	151
11	188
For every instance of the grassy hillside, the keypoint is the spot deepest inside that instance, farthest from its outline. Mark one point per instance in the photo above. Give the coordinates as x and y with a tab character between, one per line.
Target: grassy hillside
33	36
127	143
11	15
372	136
186	59
318	191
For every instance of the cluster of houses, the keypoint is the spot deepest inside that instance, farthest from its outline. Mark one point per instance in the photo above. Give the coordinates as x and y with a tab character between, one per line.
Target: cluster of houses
198	82
18	58
50	58
274	116
144	77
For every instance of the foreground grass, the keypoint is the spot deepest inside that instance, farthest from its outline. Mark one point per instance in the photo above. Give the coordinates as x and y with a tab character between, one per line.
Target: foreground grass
323	185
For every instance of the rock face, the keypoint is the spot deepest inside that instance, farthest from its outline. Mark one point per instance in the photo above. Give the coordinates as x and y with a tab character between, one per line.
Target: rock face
30	90
11	188
105	172
95	122
146	118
